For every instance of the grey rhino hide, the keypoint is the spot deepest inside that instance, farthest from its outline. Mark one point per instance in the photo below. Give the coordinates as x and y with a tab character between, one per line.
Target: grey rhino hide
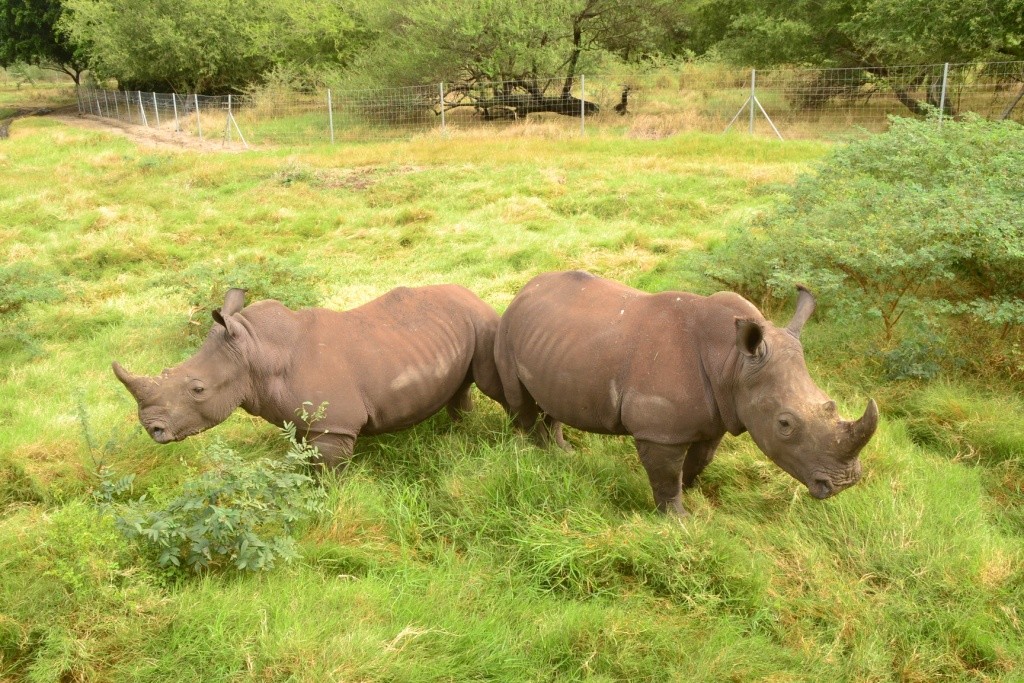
676	371
380	367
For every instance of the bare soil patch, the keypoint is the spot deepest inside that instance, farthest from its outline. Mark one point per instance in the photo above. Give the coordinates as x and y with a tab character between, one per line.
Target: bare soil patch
159	138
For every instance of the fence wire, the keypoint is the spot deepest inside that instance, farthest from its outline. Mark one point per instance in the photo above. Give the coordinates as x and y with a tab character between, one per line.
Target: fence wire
789	103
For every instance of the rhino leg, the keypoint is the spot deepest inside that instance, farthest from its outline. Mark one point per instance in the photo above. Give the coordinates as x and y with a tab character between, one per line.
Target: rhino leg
697	458
521	407
552	432
461	403
484	372
335	449
664	465
528	418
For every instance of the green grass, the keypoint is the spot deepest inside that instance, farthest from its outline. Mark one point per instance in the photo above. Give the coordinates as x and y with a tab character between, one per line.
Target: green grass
46	90
461	552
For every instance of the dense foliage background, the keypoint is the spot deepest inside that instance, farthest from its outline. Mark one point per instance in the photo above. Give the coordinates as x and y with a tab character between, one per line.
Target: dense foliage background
194	46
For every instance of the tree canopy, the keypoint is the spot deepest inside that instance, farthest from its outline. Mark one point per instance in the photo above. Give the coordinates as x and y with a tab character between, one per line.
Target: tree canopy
216	47
505	40
28	34
193	45
859	33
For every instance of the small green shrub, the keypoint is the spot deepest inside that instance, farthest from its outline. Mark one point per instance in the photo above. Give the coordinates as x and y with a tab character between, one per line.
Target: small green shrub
239	514
263	277
915	358
915	222
16	486
24	283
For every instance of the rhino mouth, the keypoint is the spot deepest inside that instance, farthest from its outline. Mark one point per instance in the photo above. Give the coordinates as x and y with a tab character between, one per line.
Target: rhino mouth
822	486
160	433
821	489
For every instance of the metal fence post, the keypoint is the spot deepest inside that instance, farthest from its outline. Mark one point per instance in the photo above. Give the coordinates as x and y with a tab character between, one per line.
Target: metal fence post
117	107
106	101
142	110
156	110
583	104
128	106
753	97
330	114
78	96
199	124
174	104
227	122
441	89
942	97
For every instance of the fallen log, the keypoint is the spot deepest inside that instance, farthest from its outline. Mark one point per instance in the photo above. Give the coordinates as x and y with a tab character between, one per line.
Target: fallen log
520	105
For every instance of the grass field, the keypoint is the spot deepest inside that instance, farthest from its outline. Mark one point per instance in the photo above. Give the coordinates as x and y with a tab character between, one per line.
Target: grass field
462	552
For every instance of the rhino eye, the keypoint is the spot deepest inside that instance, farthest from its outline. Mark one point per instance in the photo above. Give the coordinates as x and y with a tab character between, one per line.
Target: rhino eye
785	425
197	389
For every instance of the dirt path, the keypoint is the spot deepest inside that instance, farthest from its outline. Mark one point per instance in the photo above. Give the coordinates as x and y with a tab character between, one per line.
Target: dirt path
159	138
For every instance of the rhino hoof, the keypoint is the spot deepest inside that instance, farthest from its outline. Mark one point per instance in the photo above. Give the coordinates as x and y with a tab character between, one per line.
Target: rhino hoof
675	510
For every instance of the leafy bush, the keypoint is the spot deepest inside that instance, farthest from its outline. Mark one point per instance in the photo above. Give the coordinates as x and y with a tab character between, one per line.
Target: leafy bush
913	222
240	513
914	359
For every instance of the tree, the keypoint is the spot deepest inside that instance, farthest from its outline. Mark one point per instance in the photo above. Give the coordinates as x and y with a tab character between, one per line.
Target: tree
198	46
859	33
504	57
938	230
28	34
869	36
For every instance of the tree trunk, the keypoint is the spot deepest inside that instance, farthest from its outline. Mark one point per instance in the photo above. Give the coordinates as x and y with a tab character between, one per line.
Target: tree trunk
936	100
909	102
1010	107
522	104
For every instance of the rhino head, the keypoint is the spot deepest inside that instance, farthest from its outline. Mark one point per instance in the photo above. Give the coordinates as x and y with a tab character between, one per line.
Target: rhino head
793	421
204	390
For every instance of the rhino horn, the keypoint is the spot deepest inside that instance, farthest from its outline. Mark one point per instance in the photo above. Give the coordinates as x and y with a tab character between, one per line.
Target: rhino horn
805	305
140	387
857	433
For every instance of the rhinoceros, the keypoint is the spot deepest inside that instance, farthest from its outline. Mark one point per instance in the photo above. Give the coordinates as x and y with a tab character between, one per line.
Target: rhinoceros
676	371
381	367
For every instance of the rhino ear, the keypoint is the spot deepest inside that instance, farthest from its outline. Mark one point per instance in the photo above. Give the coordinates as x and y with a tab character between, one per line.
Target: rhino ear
749	337
230	323
234	301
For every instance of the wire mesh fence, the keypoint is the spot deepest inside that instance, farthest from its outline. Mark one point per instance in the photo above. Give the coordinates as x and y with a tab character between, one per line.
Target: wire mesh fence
788	103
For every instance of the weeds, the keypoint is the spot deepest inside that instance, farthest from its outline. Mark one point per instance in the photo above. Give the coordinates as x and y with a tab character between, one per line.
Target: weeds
239	513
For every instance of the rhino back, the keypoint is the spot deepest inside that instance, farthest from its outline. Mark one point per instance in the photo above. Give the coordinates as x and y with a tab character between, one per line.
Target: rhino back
600	356
547	343
397	360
